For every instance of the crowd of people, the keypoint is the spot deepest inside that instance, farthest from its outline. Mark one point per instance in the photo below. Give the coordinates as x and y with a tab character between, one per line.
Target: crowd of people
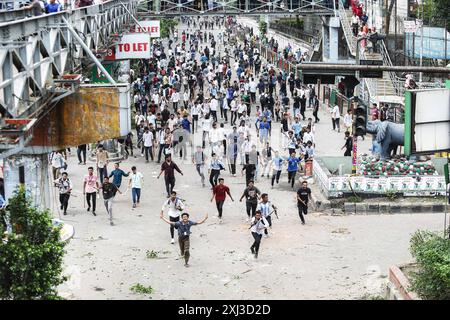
200	100
39	7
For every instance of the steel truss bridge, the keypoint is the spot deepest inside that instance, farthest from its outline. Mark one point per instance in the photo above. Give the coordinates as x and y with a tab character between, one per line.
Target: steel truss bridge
36	52
175	8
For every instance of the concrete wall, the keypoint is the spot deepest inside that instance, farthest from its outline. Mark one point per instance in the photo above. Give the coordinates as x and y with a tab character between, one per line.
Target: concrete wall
36	178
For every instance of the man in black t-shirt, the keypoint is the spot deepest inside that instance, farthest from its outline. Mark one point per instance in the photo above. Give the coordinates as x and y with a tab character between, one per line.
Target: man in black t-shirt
251	193
348	145
303	195
109	191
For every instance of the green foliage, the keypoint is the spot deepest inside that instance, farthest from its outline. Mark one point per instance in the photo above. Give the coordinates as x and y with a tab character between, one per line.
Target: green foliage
436	13
263	27
151	254
354	199
139	288
432	253
31	256
391	194
167	24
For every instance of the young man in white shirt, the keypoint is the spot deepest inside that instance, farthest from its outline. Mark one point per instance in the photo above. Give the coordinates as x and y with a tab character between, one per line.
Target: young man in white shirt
214	104
265	206
148	143
175	99
258	225
336	116
215	135
348	121
175	206
206	127
136	182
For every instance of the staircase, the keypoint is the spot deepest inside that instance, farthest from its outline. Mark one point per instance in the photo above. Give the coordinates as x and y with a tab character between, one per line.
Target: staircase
390	84
346	19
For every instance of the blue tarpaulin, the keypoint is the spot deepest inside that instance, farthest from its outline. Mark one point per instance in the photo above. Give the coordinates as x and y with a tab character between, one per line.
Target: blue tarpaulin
433	43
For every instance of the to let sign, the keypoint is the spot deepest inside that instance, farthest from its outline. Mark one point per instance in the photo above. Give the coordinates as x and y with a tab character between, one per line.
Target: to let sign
149	26
133	46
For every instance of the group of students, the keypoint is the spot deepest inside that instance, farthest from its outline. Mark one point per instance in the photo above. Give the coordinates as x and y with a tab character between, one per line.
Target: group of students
198	85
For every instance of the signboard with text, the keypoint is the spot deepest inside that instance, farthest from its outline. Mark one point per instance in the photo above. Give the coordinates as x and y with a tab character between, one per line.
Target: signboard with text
133	46
150	26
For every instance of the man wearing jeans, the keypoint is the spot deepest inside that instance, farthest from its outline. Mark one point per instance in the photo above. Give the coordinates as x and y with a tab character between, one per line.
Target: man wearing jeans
65	188
102	162
90	188
198	159
147	138
109	191
136	181
81	150
251	194
169	167
303	195
220	192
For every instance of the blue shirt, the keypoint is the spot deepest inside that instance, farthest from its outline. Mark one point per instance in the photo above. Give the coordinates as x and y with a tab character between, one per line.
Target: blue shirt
293	163
118	174
216	164
264	125
184	229
297	127
50	8
186	125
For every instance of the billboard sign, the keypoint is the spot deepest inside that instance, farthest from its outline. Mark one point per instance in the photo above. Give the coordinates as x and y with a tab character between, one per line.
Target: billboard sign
133	46
427	121
150	26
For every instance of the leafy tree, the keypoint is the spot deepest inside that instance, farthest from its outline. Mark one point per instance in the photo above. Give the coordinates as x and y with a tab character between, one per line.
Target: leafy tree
167	25
31	254
263	27
432	253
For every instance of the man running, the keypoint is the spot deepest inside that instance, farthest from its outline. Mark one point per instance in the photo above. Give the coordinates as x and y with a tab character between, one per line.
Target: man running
65	188
215	167
169	167
175	206
258	224
264	207
293	162
118	173
198	159
109	191
184	230
251	193
220	192
303	195
136	182
90	187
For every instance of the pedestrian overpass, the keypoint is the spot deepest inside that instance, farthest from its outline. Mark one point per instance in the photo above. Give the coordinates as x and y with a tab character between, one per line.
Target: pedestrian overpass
175	8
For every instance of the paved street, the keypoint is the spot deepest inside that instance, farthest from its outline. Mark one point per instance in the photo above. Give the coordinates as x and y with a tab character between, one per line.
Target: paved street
331	257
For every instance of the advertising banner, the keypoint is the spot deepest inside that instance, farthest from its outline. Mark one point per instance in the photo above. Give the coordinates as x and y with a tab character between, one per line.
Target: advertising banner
150	26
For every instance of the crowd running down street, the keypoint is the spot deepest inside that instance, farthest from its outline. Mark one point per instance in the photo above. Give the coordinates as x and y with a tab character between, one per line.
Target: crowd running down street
211	105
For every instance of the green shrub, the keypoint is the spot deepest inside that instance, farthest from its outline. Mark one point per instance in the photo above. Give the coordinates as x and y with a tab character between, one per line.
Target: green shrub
263	27
432	253
139	288
31	255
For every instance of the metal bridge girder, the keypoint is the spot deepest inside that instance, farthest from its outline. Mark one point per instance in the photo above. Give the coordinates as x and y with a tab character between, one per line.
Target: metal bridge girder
36	50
